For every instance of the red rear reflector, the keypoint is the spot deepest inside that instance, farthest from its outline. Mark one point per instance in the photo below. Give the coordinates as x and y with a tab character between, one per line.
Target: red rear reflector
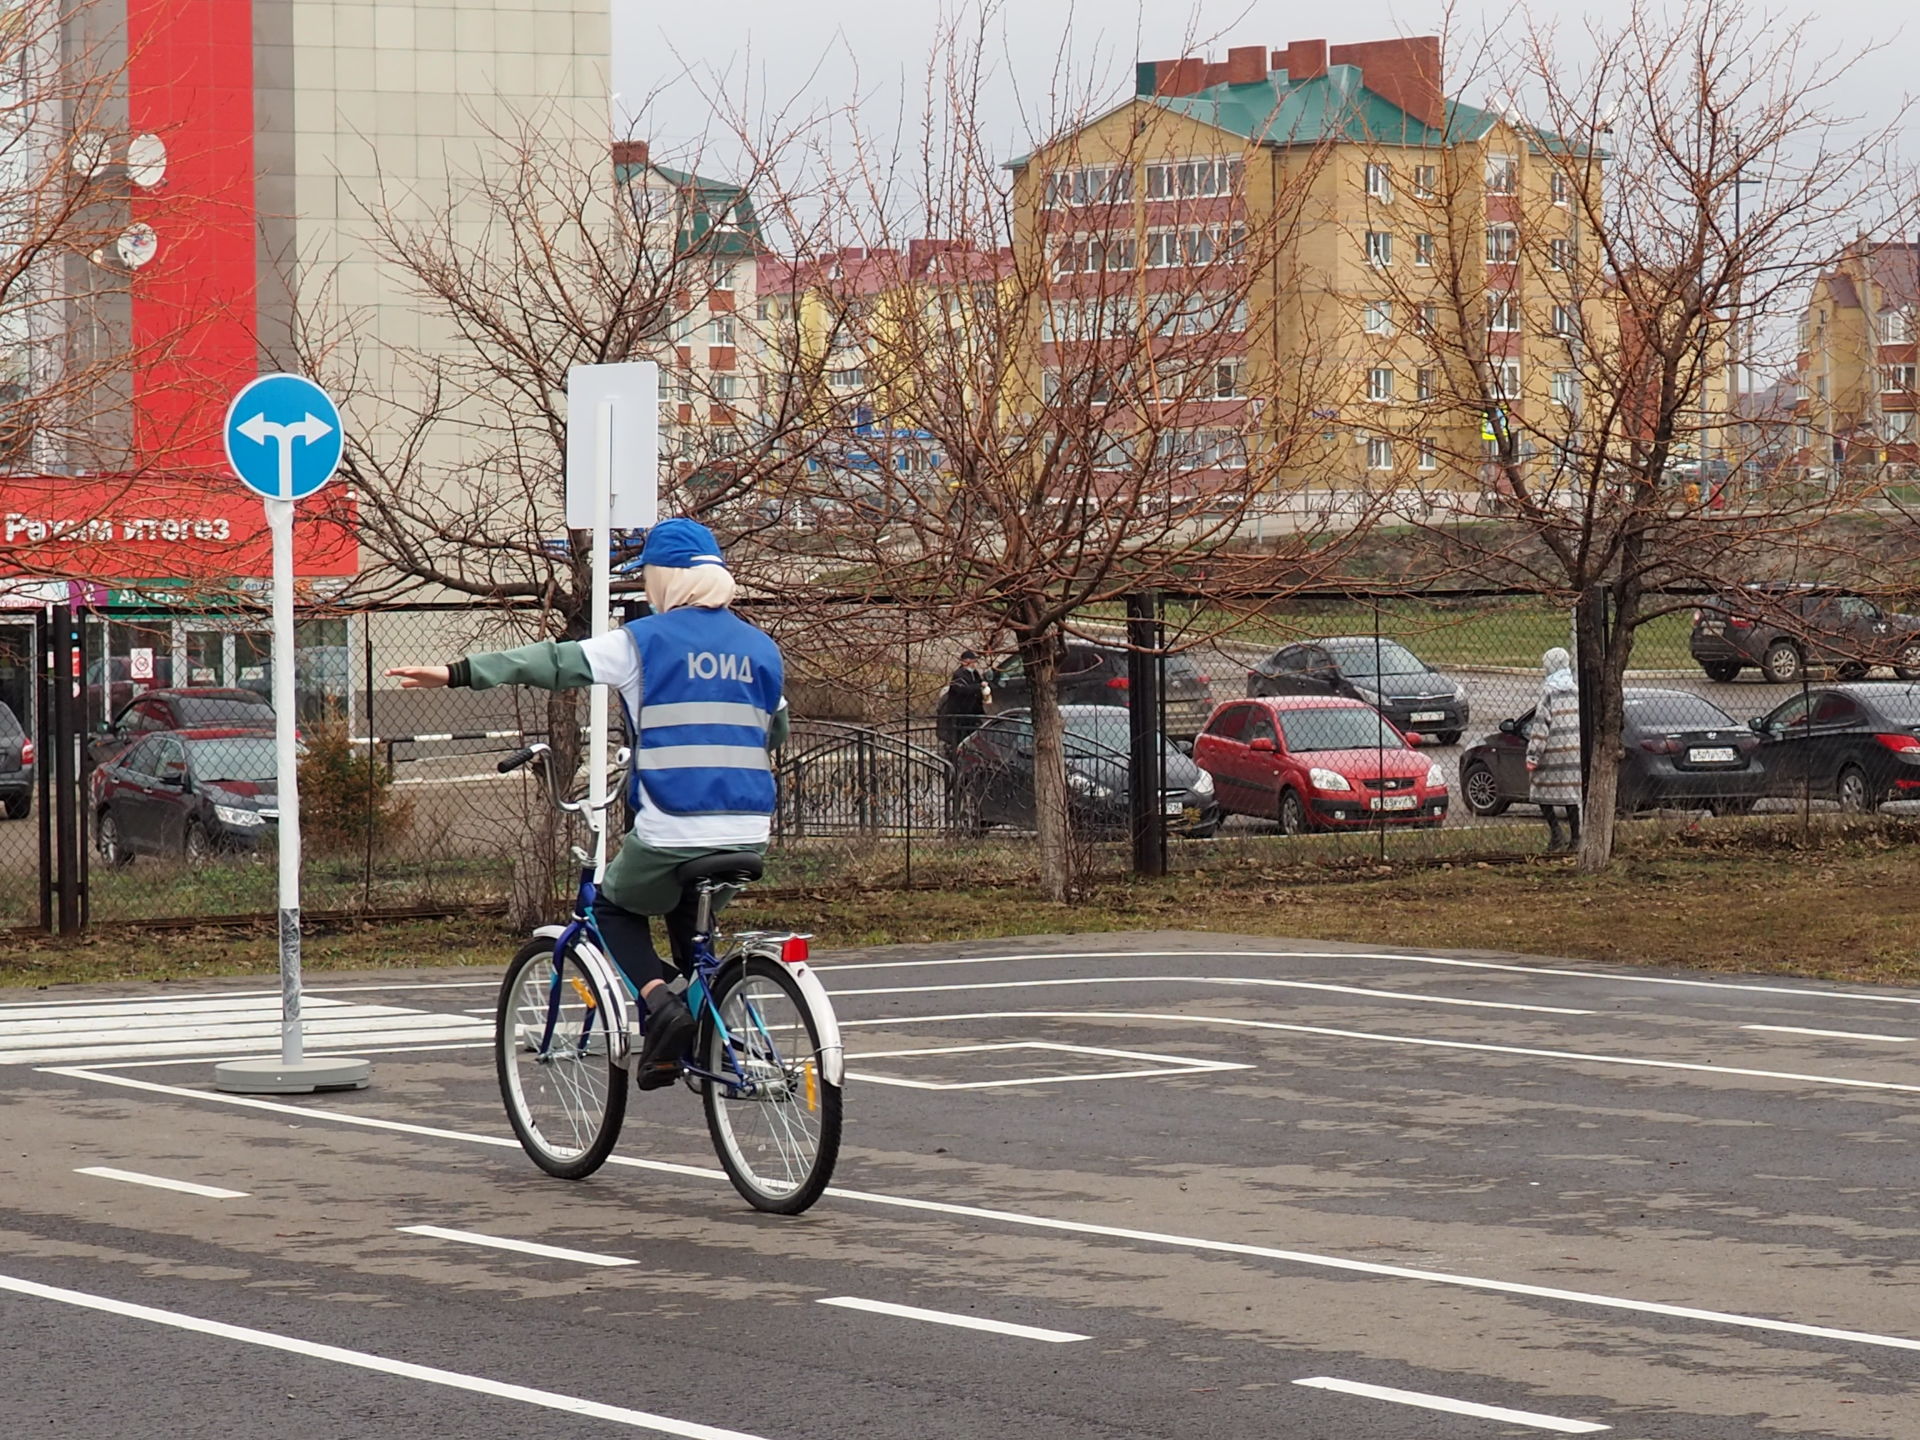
1118	682
1899	742
1739	622
793	950
26	752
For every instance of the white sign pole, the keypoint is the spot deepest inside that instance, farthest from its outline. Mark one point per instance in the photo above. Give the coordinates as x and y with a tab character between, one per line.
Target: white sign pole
602	606
287	767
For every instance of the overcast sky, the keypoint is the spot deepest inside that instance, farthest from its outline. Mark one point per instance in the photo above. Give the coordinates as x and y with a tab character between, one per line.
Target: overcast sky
823	52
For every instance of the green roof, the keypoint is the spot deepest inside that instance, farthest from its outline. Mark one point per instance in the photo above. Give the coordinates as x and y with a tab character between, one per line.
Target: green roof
720	215
1334	106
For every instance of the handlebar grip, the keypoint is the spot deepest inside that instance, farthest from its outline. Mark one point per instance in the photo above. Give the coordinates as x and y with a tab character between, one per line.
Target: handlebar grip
517	759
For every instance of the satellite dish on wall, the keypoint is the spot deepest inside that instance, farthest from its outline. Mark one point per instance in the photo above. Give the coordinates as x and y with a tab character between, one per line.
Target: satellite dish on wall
136	246
90	154
146	161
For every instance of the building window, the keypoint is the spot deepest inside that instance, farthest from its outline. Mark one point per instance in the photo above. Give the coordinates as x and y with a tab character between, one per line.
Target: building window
684	387
1503	174
723	386
851	378
1423	384
724	272
1900	426
1506	380
1378	317
1503	244
1163	249
1197	245
1566	321
1565	388
1503	310
723	330
1186	179
1229	380
1379	453
1380	383
1429	318
1379	249
1896	379
1429	453
1561	188
1423	249
1896	327
1111	253
1560	254
1089	185
1425	177
1380	184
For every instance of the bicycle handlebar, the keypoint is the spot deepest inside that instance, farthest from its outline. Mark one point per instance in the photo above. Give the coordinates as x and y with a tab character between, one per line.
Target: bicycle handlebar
542	753
518	758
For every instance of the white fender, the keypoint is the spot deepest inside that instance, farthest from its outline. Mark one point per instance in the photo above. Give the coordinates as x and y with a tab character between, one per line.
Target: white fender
608	980
833	1056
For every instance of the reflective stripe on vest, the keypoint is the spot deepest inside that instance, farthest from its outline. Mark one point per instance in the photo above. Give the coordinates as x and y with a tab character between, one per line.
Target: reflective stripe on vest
709	684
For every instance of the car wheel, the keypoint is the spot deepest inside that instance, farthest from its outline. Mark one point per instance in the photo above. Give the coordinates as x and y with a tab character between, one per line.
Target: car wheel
1293	814
106	839
1907	667
1482	791
1447	737
1855	793
1852	670
1783	662
197	846
18	805
1722	671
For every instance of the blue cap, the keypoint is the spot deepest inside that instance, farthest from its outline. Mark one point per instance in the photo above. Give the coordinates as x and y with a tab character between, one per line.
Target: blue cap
681	545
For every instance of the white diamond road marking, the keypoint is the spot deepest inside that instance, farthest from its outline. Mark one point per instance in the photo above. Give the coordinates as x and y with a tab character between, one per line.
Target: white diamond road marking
194	1026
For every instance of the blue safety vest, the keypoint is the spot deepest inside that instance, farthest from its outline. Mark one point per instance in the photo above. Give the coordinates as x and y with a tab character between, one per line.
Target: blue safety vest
709	685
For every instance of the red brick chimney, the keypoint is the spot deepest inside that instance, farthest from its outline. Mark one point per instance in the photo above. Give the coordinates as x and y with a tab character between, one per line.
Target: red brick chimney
630	152
1246	65
1180	77
1302	60
1405	71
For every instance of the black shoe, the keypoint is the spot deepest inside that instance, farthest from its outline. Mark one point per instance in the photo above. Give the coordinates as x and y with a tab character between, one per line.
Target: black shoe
670	1027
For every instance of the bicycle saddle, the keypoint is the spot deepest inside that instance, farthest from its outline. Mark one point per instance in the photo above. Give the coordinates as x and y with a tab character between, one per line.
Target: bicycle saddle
729	867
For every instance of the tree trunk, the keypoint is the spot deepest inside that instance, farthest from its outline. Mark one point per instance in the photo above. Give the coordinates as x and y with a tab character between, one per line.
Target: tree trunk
1040	656
1604	644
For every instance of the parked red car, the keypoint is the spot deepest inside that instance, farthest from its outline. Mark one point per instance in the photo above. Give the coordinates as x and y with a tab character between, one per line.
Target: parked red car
1315	763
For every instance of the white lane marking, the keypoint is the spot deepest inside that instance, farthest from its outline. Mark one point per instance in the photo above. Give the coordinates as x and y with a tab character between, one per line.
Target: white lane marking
1161	1065
1062	1226
524	1247
1483	1047
346	988
1622	976
311	1050
118	1014
160	1182
1456	1407
964	1322
247	1044
380	1364
1218	980
79	1000
1831	1034
135	1029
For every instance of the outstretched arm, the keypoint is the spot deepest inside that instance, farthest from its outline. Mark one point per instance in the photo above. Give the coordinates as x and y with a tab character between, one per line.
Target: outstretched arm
547	664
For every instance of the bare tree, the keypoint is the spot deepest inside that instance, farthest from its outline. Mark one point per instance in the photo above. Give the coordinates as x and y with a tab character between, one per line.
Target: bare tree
1037	388
1582	282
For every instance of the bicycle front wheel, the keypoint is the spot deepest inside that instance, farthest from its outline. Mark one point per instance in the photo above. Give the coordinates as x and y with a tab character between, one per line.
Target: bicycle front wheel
776	1127
564	1095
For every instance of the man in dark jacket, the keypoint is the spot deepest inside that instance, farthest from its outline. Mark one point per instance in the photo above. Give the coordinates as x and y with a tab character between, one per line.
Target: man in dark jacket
963	707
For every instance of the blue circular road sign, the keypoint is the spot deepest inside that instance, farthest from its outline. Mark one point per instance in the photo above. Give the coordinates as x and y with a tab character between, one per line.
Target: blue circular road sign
283	436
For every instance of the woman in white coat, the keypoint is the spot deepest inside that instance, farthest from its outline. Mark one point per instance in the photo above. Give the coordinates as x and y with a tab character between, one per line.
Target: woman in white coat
1553	752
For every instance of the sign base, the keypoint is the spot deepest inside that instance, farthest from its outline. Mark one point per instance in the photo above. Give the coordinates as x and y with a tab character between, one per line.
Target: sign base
276	1077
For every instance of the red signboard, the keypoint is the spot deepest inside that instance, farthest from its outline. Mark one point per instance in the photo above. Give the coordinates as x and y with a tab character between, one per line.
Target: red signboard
205	528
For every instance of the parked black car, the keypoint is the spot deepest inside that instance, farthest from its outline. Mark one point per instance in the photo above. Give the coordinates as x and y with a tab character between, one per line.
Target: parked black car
1856	744
1383	673
993	774
1092	674
195	708
1681	749
16	766
186	794
1784	629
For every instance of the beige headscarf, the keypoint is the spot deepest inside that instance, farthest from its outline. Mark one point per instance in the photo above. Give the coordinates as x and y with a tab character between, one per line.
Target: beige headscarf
710	587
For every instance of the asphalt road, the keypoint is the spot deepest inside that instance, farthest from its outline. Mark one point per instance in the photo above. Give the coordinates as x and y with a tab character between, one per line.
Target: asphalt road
1667	1205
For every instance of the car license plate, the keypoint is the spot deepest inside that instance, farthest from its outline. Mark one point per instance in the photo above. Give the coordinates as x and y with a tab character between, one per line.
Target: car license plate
1710	755
1421	717
1394	802
1173	807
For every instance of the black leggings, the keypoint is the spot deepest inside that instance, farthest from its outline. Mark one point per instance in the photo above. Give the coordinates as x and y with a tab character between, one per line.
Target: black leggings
630	937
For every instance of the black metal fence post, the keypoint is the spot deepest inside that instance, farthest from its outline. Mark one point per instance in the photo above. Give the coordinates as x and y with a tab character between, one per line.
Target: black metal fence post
45	672
65	781
1145	760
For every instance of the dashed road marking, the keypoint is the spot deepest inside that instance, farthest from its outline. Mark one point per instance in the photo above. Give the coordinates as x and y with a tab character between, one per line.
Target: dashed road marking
1455	1407
523	1247
160	1182
963	1322
1831	1034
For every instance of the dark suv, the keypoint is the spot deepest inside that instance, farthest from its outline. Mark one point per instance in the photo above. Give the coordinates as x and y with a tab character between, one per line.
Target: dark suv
1784	629
16	766
1097	675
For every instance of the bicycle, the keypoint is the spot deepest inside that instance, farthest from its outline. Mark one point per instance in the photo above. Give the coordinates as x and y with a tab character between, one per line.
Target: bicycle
766	1058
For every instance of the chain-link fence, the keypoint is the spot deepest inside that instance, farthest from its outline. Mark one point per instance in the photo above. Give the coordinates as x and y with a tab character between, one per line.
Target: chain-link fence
1318	729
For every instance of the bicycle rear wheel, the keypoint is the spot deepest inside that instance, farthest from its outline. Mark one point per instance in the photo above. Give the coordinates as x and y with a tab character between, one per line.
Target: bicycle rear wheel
779	1136
565	1102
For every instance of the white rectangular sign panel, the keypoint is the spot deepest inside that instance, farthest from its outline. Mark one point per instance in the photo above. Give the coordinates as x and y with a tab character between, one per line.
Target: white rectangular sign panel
633	390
